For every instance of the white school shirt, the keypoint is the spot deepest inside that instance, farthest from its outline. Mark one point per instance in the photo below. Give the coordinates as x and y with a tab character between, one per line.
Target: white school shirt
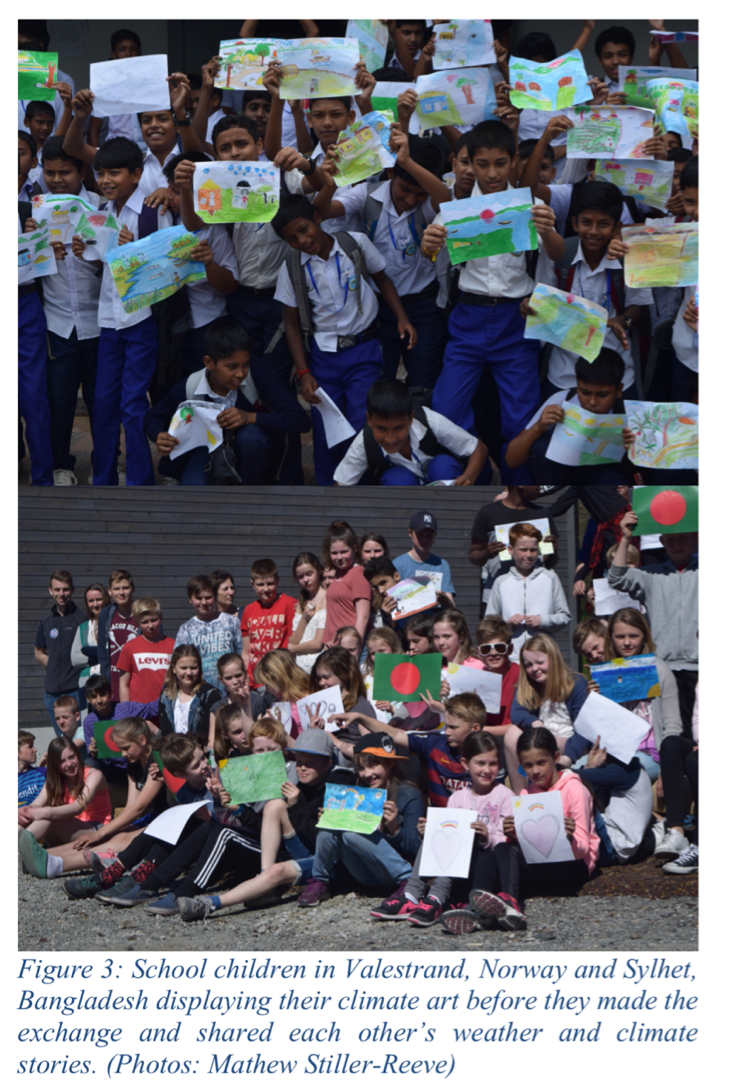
259	250
685	341
206	303
204	391
560	204
395	238
556	398
352	221
504	275
36	177
593	285
333	292
355	464
111	313
152	172
531	126
71	297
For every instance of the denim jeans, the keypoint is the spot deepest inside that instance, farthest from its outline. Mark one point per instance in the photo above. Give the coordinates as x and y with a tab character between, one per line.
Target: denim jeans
367	858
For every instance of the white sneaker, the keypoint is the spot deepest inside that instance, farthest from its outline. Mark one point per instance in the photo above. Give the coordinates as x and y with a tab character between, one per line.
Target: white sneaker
688	862
659	831
65	477
672	844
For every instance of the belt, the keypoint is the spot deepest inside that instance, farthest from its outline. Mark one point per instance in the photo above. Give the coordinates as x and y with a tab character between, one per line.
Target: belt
260	292
344	342
26	289
426	292
485	300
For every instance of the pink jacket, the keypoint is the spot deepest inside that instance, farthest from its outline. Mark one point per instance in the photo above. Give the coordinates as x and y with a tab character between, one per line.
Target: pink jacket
491	808
577	802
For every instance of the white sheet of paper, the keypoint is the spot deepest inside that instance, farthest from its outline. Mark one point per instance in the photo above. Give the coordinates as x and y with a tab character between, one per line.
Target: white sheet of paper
608	600
336	427
448	842
130	85
620	730
501	533
412	595
195	424
540	827
650	540
487	685
324	703
436	579
169	825
283	713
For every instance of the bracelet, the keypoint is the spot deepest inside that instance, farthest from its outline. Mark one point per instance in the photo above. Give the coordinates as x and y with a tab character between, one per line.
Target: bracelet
300	373
307	173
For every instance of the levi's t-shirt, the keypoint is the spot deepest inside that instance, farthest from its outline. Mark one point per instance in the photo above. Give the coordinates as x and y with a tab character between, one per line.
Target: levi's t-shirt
146	662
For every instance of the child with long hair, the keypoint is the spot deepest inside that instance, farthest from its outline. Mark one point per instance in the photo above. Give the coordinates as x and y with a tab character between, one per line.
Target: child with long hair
307	640
373	546
235	679
349	639
285	682
84	650
452	639
348	596
338	667
381	640
74	799
231	733
187	698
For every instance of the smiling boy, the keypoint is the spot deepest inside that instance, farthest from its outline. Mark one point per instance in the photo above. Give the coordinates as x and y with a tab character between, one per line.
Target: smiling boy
266	623
213	633
54	638
144	660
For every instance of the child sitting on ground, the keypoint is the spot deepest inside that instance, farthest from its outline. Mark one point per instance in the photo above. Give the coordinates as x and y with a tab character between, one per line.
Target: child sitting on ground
31	779
74	800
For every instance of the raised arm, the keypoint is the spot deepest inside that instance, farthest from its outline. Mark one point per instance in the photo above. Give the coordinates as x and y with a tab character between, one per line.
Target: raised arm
202	112
585	34
183	175
438	192
676	57
530	175
74	143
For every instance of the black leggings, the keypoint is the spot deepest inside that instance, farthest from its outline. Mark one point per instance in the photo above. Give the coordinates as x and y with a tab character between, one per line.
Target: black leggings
147	848
678	761
212	850
522	880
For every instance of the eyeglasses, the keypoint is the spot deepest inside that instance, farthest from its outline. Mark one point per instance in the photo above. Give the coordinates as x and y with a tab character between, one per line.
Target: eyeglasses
488	647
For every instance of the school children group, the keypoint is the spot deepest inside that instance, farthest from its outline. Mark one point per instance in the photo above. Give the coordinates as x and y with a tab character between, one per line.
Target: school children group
229	684
344	287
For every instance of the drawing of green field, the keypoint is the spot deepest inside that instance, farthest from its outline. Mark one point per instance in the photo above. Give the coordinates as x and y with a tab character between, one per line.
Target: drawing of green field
314	83
364	823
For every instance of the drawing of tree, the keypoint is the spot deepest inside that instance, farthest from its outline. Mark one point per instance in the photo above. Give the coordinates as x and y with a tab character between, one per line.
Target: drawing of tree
466	84
265	190
262	51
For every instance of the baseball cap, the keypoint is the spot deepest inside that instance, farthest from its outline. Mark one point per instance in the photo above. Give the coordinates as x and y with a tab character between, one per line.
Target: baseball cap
423	519
377	744
314	741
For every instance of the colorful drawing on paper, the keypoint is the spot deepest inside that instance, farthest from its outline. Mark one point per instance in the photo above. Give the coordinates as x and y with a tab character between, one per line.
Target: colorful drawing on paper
633	82
666	509
481	226
666	36
195	424
155	267
412	595
609	132
549	86
626	678
100	232
363	149
455	97
236	192
569	321
373	38
665	435
243	61
385	100
448	842
36	256
318	67
36	74
676	106
253	778
586	439
666	256
59	213
463	43
650	181
352	808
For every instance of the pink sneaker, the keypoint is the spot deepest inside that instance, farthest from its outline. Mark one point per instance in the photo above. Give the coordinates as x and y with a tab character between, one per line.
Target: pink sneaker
427	912
313	893
460	921
394	909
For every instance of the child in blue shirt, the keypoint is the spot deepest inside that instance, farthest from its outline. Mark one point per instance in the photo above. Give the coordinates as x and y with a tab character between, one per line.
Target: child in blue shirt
31	779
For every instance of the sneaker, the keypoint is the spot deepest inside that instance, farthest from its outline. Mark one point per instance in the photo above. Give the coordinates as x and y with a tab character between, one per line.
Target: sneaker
688	862
460	921
659	832
394	909
486	906
65	477
191	910
671	845
427	912
166	906
33	855
313	893
84	887
513	917
99	862
122	886
131	897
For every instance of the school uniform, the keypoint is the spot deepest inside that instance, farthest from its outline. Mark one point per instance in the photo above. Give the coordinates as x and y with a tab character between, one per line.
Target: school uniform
352	221
206	303
152	171
532	125
395	236
341	307
547	471
33	401
486	329
127	360
685	343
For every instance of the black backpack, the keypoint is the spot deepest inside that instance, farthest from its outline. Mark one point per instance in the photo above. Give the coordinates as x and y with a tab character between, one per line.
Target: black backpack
173	317
377	462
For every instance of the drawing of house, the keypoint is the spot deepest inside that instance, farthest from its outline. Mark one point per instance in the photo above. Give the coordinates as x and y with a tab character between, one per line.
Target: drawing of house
435	102
209	196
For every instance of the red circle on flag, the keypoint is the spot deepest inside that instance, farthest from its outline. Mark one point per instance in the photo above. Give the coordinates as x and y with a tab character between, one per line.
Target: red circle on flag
668	507
108	737
405	678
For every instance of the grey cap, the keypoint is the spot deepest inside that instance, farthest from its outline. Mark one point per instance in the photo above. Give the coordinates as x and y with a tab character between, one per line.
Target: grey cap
315	741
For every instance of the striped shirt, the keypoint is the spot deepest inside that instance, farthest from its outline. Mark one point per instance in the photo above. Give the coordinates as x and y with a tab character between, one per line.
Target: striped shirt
445	775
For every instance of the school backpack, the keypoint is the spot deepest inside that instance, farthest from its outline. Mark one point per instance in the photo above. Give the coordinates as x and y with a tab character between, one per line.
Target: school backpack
172	315
372	213
377	462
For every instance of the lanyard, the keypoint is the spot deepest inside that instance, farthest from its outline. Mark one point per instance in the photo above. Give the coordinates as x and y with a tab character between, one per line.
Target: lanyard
410	248
339	277
608	288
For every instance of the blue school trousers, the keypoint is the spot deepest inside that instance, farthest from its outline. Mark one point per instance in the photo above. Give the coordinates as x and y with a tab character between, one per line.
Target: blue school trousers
72	364
256	449
444	466
127	361
32	385
346	376
490	336
260	314
425	360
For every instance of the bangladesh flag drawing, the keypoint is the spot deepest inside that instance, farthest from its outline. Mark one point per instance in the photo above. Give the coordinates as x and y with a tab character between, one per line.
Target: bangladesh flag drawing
173	782
107	747
401	678
666	509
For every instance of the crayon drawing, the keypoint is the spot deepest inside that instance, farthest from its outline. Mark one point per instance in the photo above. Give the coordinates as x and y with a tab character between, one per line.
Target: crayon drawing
59	213
676	106
481	226
100	232
540	828
455	97
650	182
155	267
463	43
666	36
626	678
608	132
352	808
385	100
253	778
586	439
236	192
448	842
195	425
318	67
373	38
549	86
633	82
242	62
35	256
36	74
665	435
363	149
569	321
666	256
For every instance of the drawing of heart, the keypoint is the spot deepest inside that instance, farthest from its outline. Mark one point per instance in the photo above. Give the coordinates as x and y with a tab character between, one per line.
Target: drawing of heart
541	834
446	845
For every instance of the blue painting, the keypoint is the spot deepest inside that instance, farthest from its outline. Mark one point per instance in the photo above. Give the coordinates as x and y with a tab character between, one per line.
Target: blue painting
352	808
626	679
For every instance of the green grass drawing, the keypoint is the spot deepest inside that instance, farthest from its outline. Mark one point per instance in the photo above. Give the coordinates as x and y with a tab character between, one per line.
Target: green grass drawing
364	823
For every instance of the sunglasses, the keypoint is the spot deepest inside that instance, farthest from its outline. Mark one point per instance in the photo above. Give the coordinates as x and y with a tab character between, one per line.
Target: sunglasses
488	647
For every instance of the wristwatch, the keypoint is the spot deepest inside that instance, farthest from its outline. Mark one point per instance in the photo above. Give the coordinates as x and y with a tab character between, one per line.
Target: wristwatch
185	123
312	164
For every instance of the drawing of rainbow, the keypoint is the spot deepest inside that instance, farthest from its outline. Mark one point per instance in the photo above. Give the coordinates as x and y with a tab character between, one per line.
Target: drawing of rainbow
536	805
449	823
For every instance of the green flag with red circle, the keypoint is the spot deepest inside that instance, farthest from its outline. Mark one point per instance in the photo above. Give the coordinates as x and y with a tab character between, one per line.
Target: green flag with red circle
173	782
403	679
106	746
666	509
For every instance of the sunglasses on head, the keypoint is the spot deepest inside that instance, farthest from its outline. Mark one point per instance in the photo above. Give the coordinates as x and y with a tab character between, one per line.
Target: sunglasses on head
488	647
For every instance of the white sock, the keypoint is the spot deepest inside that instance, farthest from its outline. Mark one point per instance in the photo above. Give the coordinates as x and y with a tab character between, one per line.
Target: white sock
55	865
292	835
411	898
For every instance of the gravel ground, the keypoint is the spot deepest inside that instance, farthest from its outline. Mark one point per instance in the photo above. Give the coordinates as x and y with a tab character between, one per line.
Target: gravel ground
661	916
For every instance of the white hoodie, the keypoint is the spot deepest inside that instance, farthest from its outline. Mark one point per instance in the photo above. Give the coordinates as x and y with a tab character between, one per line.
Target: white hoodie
539	594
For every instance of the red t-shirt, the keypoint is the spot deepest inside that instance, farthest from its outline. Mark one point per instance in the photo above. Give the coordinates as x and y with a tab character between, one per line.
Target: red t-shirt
340	600
121	631
268	628
510	679
146	662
